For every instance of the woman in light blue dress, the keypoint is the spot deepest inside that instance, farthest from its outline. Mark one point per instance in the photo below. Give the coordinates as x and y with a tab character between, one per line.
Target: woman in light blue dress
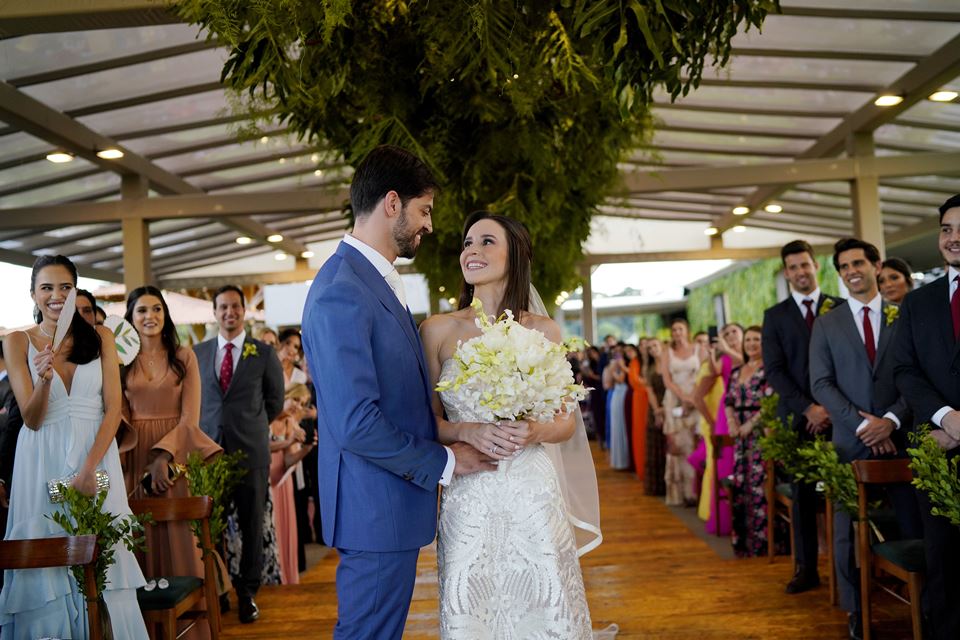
70	401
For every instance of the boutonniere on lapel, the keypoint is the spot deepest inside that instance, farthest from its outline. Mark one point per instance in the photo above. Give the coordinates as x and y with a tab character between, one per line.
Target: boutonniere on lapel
891	312
828	304
249	351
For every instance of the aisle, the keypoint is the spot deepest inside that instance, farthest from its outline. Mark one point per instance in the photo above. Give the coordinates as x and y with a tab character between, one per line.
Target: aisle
651	576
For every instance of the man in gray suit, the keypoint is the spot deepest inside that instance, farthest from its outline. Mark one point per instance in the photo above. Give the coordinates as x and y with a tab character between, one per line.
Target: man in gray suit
241	392
851	375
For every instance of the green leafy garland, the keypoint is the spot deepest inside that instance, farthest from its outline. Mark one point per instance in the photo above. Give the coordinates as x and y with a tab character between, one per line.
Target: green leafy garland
813	461
935	475
525	109
216	479
81	514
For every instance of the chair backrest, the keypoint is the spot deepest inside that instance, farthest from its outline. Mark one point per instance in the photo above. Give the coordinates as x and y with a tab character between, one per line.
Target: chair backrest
173	509
882	471
48	552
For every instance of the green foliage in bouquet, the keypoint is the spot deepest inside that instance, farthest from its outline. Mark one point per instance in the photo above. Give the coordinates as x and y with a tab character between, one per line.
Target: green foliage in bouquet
935	475
81	514
216	479
525	109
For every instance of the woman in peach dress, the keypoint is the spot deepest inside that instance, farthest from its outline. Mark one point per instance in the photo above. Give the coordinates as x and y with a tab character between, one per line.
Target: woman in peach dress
286	450
161	400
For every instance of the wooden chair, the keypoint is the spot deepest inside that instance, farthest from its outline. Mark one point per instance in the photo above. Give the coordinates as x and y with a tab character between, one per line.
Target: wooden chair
719	443
59	552
902	559
163	607
779	505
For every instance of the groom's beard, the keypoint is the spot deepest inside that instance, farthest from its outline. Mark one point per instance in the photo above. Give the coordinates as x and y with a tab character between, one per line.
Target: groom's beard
405	239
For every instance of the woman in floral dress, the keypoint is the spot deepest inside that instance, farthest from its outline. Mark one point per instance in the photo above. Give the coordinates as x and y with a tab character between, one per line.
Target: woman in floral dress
748	385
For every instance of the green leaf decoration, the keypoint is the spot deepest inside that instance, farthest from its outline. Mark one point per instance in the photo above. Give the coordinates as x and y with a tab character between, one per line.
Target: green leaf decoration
524	110
935	475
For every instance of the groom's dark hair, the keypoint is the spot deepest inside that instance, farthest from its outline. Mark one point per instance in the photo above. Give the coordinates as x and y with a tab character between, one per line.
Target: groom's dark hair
516	295
389	168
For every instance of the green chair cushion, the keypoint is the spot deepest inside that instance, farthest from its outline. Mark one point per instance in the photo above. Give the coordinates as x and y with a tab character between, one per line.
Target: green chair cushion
885	520
180	587
907	554
785	489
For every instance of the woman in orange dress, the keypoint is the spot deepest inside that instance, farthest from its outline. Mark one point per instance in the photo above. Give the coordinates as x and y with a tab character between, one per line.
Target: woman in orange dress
286	450
161	406
640	406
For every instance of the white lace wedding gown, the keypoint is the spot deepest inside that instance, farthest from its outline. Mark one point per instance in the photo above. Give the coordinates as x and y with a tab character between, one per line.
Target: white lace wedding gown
38	603
507	556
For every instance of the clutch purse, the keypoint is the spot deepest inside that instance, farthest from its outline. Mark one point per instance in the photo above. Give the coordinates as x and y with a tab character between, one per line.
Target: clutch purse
53	486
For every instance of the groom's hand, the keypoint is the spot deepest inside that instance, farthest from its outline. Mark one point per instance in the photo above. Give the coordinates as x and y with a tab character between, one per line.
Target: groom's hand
469	460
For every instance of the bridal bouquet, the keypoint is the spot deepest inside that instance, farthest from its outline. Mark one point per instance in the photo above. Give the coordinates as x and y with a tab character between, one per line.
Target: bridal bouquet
511	372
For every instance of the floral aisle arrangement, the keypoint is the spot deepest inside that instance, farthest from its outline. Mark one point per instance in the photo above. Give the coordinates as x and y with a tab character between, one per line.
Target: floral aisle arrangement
81	514
513	372
216	479
935	475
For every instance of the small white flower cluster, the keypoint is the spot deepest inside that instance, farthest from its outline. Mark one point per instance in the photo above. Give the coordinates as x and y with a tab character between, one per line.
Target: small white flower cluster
511	372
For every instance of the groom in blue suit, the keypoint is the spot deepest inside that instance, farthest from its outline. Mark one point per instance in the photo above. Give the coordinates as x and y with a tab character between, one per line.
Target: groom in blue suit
380	464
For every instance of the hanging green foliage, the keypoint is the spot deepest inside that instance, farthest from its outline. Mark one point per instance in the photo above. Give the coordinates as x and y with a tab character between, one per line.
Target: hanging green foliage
521	108
935	474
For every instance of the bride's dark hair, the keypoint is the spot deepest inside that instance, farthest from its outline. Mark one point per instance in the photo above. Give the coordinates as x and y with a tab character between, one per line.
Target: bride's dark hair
516	296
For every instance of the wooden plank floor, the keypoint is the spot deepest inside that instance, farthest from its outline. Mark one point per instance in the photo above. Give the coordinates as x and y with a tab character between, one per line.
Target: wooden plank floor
651	576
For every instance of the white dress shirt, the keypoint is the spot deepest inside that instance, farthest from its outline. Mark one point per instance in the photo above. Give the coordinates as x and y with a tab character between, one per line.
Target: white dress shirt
875	313
800	297
237	343
384	267
952	273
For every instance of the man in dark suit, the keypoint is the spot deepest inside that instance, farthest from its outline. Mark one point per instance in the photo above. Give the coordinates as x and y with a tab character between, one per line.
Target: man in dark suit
786	346
927	371
851	375
242	391
8	444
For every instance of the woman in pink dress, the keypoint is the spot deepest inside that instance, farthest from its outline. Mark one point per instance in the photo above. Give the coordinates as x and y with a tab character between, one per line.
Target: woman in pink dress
286	450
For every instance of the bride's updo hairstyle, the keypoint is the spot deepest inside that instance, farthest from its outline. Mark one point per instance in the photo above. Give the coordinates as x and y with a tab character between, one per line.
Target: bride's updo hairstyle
516	296
86	340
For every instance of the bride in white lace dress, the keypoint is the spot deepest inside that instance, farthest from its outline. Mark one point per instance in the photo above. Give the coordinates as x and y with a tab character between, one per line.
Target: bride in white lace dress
507	551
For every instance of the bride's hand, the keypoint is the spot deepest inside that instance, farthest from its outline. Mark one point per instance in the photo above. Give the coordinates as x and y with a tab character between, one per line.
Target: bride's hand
521	432
491	440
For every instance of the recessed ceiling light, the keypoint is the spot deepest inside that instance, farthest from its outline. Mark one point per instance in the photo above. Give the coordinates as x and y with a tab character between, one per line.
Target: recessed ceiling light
306	254
264	140
741	210
773	208
110	154
711	231
280	256
888	101
274	237
318	172
944	96
59	157
739	228
452	301
315	158
243	240
441	288
282	160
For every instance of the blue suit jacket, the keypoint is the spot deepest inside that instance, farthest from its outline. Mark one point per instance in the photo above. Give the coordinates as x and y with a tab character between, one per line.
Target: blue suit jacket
379	461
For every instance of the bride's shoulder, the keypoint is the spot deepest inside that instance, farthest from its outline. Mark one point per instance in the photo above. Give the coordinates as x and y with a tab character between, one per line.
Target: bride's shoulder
440	325
545	325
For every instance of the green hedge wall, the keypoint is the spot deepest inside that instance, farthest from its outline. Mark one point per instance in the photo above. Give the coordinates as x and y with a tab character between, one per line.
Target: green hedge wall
749	291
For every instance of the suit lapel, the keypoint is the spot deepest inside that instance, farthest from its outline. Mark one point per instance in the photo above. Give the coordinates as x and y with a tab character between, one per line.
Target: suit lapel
379	287
241	364
885	332
211	359
849	325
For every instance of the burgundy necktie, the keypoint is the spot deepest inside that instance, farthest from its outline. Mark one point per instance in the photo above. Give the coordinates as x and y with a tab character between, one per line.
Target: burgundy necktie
955	310
808	316
226	368
868	340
